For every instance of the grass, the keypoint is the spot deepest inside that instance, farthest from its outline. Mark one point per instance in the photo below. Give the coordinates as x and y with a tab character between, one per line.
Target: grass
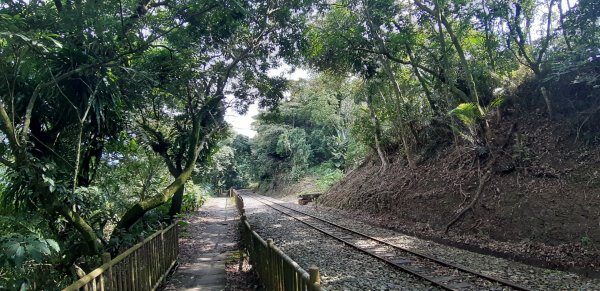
326	176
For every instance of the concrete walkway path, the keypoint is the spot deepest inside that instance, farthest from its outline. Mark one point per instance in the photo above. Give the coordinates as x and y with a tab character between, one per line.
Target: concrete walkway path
205	246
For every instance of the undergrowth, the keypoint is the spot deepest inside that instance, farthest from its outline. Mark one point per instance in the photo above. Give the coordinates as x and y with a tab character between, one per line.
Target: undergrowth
326	176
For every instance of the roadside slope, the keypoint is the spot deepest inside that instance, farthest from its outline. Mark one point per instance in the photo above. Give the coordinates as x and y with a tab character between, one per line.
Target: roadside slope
542	199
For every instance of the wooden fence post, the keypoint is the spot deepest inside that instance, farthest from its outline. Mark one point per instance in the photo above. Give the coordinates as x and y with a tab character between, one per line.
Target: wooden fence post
176	242
161	249
271	266
140	263
108	278
315	278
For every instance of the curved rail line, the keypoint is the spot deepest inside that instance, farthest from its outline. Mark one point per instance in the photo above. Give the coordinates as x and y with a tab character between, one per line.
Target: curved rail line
446	275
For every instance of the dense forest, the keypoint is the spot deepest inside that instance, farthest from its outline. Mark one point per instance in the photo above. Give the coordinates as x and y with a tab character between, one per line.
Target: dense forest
403	81
112	112
112	118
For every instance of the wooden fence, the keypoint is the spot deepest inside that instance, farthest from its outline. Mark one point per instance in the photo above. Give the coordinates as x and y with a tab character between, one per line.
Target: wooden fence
275	269
140	268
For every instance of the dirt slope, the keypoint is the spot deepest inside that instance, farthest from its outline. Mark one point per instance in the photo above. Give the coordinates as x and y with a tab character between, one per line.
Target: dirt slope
544	192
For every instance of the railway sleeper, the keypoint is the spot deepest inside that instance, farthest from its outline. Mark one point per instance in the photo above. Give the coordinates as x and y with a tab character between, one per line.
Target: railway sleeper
462	285
444	279
347	237
416	267
386	255
402	262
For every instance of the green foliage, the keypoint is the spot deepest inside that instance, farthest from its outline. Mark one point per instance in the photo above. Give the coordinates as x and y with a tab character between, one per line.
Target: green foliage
311	128
586	241
20	256
131	173
468	113
471	117
327	175
293	147
195	195
281	149
229	166
426	63
103	106
410	77
26	253
243	161
17	249
264	147
355	153
582	24
363	130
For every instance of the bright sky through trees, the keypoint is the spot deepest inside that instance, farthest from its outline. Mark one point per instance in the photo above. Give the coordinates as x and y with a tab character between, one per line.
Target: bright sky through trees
242	124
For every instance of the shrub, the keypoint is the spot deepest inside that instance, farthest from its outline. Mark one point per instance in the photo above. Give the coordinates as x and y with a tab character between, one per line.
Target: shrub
195	195
327	175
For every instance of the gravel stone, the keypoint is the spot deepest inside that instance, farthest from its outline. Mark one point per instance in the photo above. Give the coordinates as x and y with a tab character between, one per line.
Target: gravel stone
533	277
341	267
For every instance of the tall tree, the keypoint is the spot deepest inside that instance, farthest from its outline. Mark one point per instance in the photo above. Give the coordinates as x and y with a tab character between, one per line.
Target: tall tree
77	73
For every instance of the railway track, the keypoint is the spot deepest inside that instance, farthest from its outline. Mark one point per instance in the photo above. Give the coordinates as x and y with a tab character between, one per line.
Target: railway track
440	273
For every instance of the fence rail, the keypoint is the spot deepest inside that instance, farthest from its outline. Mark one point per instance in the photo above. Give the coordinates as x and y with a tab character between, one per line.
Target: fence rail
276	270
141	267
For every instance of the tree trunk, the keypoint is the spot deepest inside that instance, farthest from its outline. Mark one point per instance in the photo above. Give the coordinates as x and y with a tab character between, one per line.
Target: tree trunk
139	209
377	126
441	19
406	143
437	12
432	104
562	26
195	146
463	61
547	100
87	232
487	25
176	202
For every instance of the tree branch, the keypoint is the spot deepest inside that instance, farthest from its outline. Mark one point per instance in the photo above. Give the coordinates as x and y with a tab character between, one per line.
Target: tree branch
8	129
81	225
546	40
160	148
139	209
59	6
8	163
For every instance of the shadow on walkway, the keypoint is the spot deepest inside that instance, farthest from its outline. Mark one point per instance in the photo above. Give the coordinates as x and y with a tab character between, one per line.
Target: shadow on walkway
205	246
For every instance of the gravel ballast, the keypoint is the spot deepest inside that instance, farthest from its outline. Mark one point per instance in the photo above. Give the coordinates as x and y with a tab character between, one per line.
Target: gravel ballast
341	267
345	268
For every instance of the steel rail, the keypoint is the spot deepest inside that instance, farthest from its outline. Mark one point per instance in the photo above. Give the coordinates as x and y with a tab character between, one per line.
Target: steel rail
412	252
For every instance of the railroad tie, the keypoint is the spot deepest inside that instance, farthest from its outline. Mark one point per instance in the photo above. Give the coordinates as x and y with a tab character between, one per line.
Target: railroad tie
402	262
461	285
444	279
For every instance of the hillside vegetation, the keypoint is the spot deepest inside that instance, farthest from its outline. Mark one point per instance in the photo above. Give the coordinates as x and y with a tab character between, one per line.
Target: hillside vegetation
450	117
112	119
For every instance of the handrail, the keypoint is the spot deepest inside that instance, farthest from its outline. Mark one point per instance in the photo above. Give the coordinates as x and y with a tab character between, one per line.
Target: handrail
142	267
276	270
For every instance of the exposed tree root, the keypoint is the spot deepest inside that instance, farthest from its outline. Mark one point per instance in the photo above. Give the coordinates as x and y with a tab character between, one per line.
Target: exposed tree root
482	181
